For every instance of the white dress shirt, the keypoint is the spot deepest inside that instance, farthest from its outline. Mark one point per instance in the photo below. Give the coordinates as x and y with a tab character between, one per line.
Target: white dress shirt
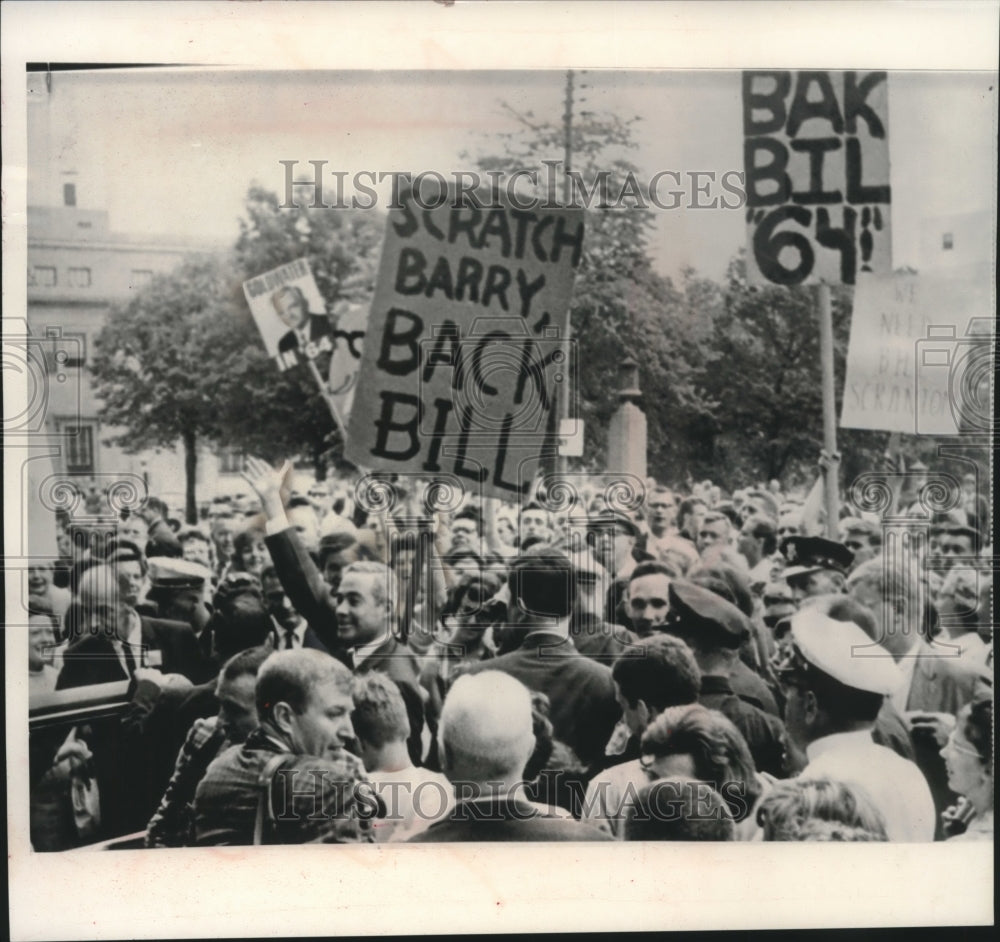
894	784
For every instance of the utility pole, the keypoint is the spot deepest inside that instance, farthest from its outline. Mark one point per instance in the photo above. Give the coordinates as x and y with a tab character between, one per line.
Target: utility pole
564	390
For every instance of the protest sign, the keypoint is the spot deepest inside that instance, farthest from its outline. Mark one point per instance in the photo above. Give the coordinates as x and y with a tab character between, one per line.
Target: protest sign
465	351
816	157
918	353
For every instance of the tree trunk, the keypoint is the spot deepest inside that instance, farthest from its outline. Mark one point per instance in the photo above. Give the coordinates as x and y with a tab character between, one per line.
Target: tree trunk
190	469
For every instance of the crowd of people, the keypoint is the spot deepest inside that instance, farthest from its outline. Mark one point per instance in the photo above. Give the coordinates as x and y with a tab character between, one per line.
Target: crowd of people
690	666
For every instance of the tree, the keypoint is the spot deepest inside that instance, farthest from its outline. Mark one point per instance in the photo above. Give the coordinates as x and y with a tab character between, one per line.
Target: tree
760	377
159	359
620	305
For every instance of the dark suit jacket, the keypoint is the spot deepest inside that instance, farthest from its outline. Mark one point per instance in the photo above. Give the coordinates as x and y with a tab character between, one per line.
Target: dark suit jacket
505	819
309	640
764	733
399	664
306	588
92	659
581	693
319	327
750	686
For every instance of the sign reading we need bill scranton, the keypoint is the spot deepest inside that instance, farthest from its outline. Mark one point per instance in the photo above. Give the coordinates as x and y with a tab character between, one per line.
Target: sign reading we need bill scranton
816	157
464	352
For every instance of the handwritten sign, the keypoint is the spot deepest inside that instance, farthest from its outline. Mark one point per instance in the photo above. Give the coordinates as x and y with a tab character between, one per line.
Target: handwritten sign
464	351
816	157
919	349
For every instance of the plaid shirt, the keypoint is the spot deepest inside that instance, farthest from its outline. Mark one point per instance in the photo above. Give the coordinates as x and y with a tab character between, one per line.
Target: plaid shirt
173	823
313	799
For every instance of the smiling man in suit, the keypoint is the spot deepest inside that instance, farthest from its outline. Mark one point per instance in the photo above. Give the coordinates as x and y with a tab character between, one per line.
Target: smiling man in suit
308	333
117	640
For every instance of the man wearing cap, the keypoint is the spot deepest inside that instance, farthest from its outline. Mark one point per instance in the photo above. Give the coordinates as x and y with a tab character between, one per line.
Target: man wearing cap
612	537
714	630
117	640
816	566
177	588
835	680
862	537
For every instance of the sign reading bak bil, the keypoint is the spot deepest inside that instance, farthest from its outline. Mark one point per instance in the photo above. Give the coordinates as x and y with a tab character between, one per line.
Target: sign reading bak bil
464	353
816	157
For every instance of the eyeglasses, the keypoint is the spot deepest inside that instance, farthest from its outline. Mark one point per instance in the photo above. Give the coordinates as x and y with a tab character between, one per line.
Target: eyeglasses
952	743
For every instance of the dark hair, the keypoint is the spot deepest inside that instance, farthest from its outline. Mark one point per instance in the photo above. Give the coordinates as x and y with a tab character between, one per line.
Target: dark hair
244	540
720	753
763	529
661	671
544	582
157	506
842	702
978	728
245	663
727	510
483	586
679	810
727	583
652	567
465	552
243	623
468	512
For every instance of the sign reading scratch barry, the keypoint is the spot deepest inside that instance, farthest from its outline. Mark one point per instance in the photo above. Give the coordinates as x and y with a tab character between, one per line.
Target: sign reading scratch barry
816	155
464	351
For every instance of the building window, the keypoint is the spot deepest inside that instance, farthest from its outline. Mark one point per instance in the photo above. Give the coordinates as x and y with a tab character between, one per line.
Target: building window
69	194
42	276
947	242
232	461
79	277
140	277
79	446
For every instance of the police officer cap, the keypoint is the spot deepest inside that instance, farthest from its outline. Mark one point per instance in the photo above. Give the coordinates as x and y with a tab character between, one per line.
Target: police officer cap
843	651
806	554
699	612
168	573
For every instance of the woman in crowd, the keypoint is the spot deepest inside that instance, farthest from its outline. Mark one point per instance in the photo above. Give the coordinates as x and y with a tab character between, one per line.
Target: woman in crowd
968	758
695	742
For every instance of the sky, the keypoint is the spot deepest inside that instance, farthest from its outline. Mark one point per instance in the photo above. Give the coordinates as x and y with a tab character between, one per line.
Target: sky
173	151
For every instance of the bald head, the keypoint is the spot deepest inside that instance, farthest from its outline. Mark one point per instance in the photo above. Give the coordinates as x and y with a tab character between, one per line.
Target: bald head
485	730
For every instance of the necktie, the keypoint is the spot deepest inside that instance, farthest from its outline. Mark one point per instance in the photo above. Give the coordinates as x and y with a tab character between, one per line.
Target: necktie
289	639
129	658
